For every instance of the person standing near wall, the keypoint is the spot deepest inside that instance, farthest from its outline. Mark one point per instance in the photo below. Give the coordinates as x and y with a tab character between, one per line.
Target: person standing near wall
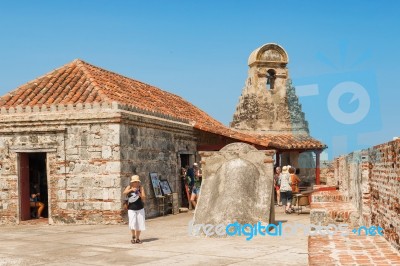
190	177
136	198
196	185
295	180
277	185
286	189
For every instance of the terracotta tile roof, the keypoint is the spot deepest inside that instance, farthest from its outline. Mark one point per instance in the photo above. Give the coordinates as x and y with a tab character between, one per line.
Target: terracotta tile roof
292	141
80	82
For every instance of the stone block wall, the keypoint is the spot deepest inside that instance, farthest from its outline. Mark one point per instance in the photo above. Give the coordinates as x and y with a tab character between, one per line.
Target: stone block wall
151	148
83	173
327	174
9	182
371	180
91	150
353	179
85	181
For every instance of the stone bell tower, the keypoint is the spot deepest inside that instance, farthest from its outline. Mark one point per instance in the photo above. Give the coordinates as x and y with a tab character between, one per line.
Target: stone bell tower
268	103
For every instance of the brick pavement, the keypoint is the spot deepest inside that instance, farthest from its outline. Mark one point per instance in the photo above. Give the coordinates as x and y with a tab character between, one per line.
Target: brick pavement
332	207
351	250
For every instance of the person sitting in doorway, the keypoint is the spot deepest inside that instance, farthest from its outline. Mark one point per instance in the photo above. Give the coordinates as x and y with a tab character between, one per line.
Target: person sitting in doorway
35	203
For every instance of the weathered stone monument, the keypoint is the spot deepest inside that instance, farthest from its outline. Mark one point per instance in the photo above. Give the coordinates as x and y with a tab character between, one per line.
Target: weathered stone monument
268	103
270	108
237	186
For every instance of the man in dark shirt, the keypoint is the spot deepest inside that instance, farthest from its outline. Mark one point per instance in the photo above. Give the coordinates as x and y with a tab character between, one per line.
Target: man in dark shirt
190	177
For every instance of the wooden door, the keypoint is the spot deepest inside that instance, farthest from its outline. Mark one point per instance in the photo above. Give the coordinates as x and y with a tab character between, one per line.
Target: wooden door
23	173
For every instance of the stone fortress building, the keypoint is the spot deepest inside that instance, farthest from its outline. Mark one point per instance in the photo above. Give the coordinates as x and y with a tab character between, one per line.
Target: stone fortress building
269	108
80	132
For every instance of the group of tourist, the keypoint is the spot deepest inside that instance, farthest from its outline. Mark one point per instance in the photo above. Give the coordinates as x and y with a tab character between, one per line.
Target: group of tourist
286	183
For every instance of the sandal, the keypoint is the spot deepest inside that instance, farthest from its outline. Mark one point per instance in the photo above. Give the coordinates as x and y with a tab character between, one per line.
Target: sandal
288	212
138	241
133	240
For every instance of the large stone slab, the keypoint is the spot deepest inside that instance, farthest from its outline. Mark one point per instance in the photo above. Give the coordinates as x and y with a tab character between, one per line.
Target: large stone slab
237	186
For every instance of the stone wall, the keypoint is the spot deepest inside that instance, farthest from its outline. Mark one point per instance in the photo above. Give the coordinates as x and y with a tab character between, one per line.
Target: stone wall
327	173
153	148
9	185
82	174
91	150
83	170
370	179
385	189
88	189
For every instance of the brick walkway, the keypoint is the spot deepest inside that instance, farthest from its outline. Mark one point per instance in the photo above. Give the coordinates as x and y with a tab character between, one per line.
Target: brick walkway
331	207
351	250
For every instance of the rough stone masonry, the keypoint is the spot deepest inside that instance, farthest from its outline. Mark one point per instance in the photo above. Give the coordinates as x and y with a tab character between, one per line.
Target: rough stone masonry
237	186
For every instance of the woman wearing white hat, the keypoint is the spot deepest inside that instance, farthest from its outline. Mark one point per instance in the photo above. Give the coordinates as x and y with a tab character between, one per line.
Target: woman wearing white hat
136	197
286	189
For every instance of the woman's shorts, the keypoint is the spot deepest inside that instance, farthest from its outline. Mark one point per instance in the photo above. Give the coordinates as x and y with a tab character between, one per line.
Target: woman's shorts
136	220
196	191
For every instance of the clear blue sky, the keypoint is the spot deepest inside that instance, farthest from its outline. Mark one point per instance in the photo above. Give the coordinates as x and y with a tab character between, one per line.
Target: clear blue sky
199	50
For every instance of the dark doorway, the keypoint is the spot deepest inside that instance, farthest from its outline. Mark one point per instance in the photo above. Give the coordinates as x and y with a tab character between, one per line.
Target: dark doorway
185	161
33	180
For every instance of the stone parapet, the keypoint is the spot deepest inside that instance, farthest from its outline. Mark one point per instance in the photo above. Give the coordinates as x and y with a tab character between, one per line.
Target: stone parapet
95	106
325	213
328	196
370	179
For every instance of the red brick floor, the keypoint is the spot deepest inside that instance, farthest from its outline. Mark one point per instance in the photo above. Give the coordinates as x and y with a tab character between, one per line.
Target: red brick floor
351	250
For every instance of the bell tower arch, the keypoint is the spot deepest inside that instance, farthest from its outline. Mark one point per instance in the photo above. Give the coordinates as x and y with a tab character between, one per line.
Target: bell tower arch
268	103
